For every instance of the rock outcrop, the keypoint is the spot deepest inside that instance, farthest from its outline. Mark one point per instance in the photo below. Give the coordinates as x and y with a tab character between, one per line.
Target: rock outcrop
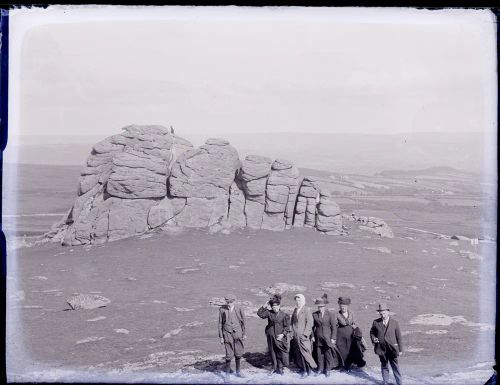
146	178
373	225
87	301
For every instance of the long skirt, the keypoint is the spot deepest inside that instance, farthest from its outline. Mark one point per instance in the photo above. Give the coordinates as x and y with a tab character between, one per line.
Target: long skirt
350	347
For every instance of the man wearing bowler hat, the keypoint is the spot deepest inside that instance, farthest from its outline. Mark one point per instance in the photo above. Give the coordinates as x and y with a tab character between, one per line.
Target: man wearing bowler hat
386	338
232	332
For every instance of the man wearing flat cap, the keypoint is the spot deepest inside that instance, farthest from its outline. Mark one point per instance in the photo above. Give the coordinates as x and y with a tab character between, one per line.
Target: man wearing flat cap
232	332
386	338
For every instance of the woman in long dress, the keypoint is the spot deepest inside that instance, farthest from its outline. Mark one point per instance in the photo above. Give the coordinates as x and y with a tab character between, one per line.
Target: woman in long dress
349	337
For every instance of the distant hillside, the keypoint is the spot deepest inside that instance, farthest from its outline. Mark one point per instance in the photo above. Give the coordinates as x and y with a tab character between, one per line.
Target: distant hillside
431	171
344	153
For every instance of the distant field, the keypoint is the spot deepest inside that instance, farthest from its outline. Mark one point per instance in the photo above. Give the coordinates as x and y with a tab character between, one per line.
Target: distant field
43	189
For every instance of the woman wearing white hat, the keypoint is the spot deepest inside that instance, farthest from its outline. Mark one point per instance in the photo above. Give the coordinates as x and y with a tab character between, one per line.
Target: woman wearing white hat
301	344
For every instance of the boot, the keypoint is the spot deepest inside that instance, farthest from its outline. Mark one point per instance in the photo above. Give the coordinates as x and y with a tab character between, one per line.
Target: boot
227	368
238	362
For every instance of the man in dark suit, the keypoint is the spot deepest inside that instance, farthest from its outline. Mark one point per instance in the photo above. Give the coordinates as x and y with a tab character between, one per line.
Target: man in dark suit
325	332
386	337
277	330
232	332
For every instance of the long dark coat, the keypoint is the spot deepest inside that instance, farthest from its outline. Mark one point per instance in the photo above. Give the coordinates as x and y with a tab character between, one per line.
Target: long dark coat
325	330
277	323
349	340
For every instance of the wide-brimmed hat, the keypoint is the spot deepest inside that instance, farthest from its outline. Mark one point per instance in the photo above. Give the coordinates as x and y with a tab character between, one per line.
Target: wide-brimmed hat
344	301
322	301
382	306
230	297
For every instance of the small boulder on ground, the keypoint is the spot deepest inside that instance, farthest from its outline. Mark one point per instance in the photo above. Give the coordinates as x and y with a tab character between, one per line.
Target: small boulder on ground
87	301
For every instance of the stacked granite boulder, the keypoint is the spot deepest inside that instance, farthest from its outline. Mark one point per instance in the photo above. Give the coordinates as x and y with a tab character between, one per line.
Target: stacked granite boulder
125	175
307	201
252	178
147	178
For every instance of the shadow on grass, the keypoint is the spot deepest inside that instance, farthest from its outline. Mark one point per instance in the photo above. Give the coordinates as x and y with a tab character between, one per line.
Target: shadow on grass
215	367
257	360
365	376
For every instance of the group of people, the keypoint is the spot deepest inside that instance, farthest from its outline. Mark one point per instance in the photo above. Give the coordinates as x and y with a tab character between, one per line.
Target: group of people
318	341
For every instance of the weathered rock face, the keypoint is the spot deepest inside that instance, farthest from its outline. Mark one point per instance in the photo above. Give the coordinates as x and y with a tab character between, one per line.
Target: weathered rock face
236	214
124	177
206	172
281	194
164	211
146	178
253	176
328	217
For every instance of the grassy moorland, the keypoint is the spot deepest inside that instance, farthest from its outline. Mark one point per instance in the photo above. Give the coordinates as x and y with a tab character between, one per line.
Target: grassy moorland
161	285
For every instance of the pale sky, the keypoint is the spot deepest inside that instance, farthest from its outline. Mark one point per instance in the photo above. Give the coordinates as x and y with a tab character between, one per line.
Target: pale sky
220	70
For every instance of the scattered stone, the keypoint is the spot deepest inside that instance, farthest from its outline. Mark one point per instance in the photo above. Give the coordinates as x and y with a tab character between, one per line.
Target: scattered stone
172	333
470	255
438	331
89	339
193	324
372	224
217	302
122	331
445	320
332	285
182	309
380	249
280	288
39	277
86	301
460	238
